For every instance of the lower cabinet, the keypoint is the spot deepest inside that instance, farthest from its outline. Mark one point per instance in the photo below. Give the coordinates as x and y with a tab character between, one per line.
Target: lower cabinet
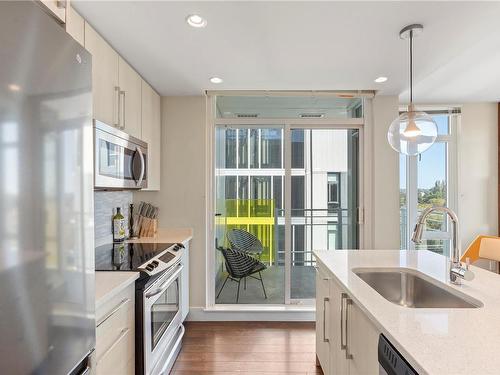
346	340
115	334
362	343
323	307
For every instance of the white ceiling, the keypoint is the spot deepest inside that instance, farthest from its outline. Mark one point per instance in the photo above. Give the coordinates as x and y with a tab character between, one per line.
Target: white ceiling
308	46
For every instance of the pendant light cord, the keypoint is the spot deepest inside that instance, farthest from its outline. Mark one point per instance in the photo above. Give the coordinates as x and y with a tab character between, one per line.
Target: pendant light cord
411	67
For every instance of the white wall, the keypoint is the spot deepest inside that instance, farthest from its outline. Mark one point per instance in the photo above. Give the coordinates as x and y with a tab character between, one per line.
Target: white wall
182	195
478	171
384	162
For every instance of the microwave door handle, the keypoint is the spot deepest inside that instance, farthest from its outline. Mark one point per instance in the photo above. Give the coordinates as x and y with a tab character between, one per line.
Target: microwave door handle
141	175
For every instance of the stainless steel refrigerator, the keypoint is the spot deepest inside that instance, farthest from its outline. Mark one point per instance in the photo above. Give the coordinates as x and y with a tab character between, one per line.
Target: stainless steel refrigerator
47	323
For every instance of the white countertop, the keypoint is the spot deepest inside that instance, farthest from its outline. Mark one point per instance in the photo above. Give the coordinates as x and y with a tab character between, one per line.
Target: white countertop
434	341
109	284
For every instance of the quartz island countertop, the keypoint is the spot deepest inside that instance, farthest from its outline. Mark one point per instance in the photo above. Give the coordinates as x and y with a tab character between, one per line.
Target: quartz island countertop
433	340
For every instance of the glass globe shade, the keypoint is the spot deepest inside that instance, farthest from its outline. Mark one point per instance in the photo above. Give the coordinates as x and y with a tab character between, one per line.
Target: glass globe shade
412	132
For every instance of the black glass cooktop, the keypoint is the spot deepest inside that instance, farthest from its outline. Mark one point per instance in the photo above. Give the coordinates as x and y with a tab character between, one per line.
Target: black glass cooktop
126	256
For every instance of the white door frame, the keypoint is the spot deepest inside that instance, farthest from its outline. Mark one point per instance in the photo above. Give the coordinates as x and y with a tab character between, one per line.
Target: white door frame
364	182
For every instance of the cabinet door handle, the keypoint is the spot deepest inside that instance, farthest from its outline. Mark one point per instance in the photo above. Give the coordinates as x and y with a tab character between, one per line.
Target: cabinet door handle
342	299
114	311
348	354
123	333
325	300
122	108
116	114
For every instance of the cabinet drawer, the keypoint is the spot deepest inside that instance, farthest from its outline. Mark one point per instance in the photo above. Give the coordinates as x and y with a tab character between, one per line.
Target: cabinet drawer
112	303
113	319
118	357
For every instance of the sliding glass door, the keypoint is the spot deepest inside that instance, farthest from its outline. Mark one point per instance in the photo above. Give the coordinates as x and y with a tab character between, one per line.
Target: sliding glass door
323	203
285	182
288	190
249	175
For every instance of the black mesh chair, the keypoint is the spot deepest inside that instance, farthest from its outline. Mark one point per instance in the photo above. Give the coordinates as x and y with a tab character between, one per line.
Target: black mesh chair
239	266
242	240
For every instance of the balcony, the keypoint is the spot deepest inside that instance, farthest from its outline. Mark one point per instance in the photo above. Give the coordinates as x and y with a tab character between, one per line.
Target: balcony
310	229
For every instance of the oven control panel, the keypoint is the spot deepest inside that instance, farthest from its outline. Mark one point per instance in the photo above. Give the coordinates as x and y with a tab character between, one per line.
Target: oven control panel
163	261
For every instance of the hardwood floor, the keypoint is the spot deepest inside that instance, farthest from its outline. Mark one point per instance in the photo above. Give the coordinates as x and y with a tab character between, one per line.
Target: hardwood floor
248	348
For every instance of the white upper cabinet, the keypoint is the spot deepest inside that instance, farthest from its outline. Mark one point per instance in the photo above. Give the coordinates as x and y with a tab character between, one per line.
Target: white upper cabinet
57	8
75	25
105	88
130	99
121	97
151	133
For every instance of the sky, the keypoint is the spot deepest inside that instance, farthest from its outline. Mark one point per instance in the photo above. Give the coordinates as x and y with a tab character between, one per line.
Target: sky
432	162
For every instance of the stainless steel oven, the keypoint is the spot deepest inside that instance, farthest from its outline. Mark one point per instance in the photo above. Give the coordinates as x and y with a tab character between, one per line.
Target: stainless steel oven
120	160
162	323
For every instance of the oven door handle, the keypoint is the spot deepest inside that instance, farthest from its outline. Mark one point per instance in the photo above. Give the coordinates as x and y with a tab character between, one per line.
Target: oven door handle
165	284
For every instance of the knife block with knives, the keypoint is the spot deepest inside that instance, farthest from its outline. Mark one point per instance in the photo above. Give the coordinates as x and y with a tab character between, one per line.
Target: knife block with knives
145	220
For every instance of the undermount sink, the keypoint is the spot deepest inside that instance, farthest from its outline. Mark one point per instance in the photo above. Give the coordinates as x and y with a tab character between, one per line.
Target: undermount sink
410	288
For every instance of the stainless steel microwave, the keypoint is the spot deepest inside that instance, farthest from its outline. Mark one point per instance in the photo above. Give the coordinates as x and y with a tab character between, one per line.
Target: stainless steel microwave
120	160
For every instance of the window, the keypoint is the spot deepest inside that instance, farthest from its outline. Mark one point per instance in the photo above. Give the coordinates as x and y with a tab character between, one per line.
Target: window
334	240
230	148
242	148
333	191
297	148
270	148
261	187
427	180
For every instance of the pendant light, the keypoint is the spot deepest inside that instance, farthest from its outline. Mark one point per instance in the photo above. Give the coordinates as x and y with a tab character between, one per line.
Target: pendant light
413	131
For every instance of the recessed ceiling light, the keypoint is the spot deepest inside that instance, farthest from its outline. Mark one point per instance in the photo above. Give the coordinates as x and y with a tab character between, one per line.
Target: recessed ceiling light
14	87
380	79
216	80
195	20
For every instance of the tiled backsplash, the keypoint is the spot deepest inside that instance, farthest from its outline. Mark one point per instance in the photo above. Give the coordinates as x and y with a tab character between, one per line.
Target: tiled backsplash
105	203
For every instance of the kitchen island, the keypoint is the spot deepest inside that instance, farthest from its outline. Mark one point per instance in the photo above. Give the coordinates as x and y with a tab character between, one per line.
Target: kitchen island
432	340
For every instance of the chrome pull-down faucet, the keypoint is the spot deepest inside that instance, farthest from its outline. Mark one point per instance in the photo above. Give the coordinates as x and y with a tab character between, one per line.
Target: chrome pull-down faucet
457	272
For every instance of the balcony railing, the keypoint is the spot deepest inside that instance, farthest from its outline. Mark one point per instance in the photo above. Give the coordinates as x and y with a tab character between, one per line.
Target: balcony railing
310	228
316	229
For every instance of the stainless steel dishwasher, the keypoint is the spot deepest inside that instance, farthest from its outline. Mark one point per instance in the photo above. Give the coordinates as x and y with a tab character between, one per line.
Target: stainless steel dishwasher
391	362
